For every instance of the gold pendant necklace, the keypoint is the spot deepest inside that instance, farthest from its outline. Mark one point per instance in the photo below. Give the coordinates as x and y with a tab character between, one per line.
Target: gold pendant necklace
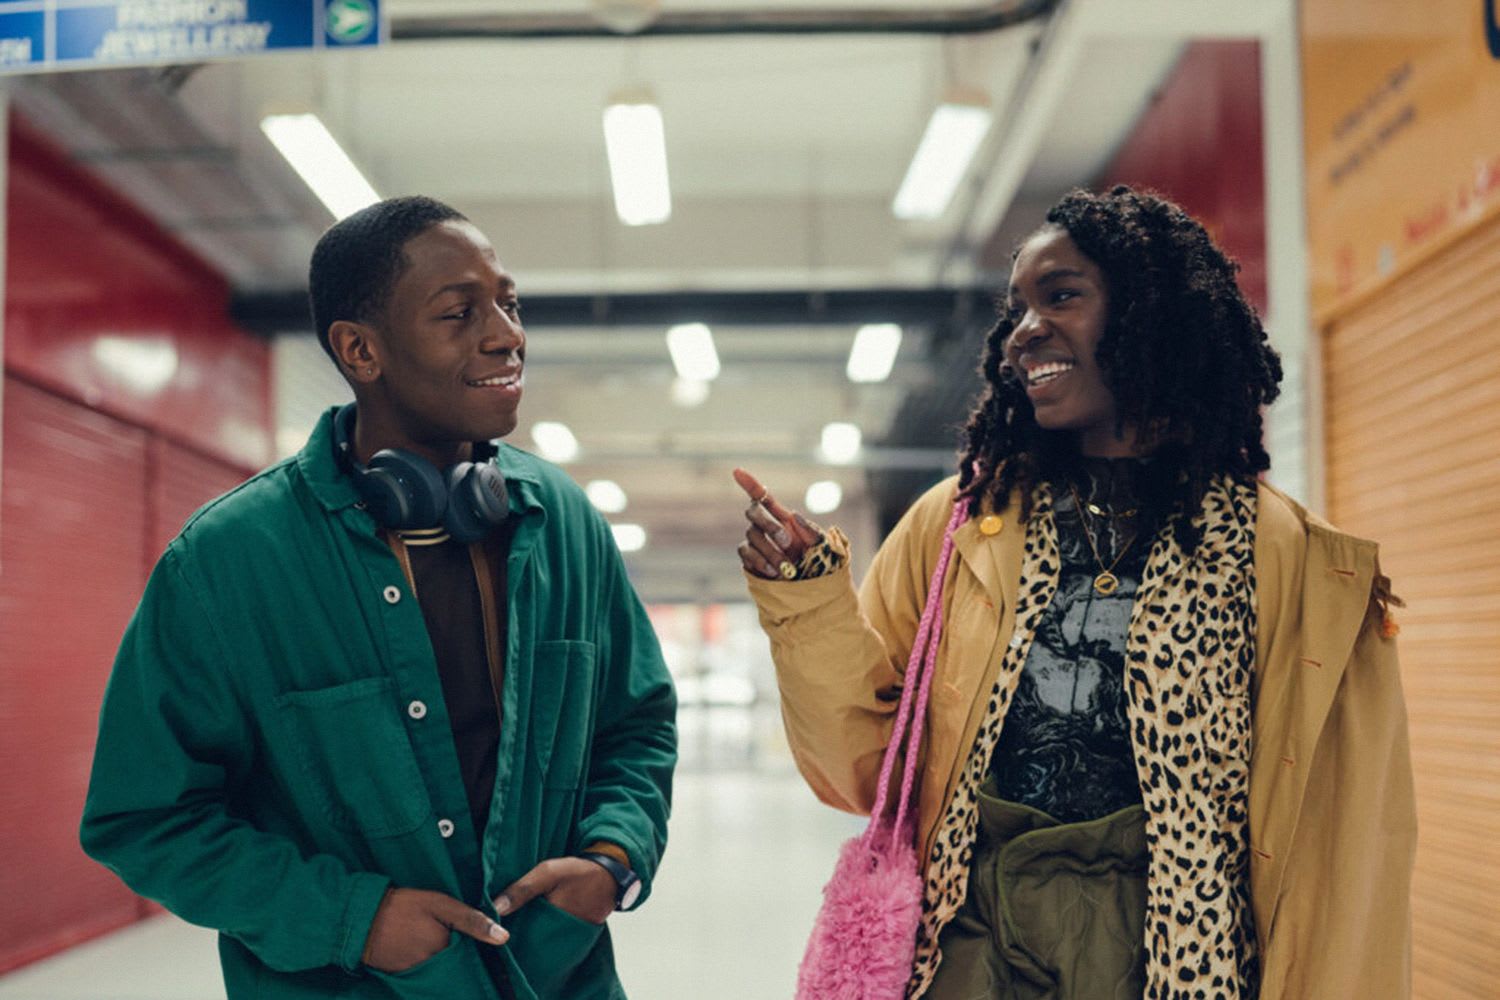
1105	582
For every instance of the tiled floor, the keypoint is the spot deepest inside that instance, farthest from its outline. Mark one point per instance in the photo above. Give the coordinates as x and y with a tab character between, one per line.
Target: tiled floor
732	907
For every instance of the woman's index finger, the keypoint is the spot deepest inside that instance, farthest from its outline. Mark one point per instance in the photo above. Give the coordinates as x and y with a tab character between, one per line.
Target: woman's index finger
759	494
750	485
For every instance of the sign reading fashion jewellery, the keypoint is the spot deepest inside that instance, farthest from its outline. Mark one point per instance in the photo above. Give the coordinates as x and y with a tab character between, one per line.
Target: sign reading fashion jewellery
39	35
1400	102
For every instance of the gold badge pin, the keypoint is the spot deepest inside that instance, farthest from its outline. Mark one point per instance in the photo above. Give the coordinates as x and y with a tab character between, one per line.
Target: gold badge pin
991	525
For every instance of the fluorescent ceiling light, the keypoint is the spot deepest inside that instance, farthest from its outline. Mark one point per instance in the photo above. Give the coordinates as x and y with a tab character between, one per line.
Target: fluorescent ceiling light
637	147
874	352
606	495
689	392
841	442
942	158
555	441
693	354
320	161
823	497
629	537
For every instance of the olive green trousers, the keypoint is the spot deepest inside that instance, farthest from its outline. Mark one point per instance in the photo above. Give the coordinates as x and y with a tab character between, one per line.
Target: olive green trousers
1054	911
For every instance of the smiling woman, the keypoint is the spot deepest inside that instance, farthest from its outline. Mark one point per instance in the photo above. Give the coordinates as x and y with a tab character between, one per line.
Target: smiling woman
1169	359
1122	577
1058	304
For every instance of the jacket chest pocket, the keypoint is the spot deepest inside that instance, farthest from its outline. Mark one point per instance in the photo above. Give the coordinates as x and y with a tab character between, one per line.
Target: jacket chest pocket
563	709
355	763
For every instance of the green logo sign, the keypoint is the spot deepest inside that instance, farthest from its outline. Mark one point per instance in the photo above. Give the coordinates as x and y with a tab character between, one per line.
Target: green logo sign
350	21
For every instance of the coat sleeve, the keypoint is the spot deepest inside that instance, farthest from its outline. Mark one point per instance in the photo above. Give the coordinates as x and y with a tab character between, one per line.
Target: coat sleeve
840	657
1343	921
628	791
173	737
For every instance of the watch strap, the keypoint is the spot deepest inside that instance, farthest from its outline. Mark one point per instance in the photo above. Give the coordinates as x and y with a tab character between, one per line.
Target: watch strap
622	874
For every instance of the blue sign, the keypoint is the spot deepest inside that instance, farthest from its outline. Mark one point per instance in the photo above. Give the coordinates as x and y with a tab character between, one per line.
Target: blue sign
23	38
39	35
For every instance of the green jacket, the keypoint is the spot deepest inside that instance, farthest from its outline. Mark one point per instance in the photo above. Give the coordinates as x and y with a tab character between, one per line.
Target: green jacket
260	771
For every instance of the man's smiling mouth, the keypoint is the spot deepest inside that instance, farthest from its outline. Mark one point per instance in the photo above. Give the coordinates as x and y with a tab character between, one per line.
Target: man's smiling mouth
509	379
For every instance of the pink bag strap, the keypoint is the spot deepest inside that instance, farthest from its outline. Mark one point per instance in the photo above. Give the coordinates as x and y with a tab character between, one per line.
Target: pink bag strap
919	673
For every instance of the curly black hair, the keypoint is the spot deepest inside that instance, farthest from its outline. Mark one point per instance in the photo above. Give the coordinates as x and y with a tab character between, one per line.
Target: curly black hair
1182	351
358	259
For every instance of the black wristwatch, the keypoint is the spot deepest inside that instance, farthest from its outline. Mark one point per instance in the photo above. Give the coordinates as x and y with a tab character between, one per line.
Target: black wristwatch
627	882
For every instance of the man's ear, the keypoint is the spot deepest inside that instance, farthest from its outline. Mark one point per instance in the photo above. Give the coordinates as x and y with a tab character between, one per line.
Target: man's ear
355	349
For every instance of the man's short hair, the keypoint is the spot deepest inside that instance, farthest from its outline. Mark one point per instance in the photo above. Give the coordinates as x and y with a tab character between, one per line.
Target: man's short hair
358	259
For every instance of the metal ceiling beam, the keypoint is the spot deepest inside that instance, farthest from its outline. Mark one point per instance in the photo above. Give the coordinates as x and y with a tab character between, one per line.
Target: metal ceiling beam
919	19
287	312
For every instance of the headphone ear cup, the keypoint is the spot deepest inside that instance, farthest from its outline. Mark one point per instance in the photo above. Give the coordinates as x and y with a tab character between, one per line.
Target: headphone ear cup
403	490
477	500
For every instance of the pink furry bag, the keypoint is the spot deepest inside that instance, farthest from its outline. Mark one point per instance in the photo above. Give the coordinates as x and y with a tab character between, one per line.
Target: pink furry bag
864	940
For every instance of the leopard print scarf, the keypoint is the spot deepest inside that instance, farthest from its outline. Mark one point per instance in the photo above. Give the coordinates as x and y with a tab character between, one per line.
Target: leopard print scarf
1190	656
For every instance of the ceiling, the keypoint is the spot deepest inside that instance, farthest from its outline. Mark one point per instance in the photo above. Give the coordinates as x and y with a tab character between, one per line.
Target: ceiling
785	150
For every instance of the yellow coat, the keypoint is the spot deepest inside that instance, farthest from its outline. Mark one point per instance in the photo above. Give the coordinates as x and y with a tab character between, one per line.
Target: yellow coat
1332	811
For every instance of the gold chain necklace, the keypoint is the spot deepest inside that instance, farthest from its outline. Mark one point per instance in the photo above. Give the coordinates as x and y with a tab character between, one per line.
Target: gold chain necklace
1105	583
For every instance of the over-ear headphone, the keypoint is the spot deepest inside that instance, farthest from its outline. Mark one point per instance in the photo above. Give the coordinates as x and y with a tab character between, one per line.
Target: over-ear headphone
402	490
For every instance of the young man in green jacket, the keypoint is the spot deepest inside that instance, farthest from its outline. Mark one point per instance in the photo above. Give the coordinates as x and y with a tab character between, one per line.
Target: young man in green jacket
395	732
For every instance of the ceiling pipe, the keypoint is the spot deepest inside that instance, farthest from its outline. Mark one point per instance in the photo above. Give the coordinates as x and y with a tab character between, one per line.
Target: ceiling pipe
919	19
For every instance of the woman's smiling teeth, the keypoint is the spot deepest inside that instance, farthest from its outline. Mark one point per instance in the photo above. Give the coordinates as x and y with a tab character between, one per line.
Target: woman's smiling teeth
1042	374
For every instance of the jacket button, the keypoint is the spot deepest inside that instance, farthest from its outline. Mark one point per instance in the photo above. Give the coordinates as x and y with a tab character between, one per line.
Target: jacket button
991	525
417	710
445	827
391	594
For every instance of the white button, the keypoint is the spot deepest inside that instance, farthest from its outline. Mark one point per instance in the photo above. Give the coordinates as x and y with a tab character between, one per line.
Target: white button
391	594
417	710
1016	640
445	827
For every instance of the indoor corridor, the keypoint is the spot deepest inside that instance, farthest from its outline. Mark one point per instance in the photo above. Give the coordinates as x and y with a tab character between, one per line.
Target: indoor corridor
748	854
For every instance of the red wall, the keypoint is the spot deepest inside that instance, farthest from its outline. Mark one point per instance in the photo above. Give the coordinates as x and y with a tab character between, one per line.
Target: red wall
90	280
129	400
1200	144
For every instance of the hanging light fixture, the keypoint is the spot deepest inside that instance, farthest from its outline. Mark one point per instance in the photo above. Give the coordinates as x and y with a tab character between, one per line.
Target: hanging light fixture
823	497
320	161
555	441
873	353
840	442
693	355
635	141
953	136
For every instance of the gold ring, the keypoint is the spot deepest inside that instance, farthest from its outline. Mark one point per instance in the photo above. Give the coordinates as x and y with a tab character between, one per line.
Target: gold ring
788	571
